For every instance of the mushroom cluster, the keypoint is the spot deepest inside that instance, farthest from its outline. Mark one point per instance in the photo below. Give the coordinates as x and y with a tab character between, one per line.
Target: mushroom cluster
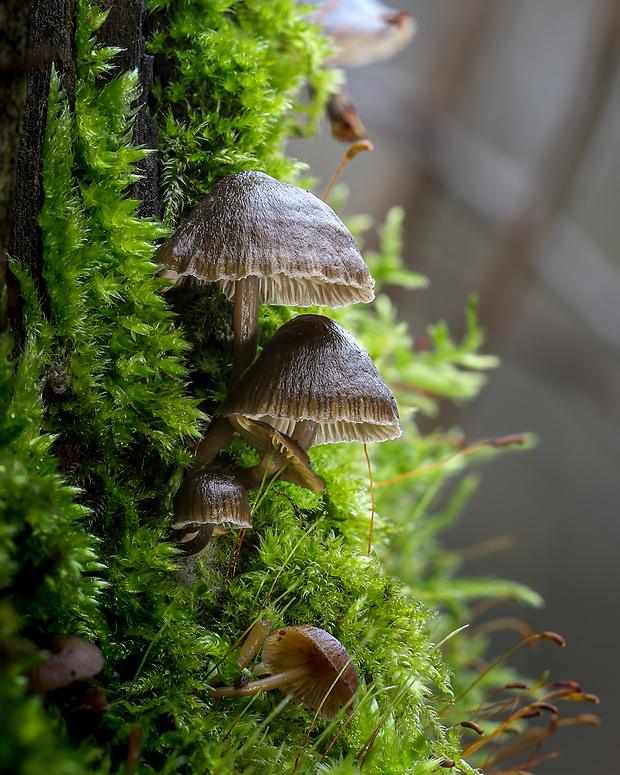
268	242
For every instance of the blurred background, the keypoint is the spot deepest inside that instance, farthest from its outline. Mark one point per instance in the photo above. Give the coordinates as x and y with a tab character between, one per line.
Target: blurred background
497	129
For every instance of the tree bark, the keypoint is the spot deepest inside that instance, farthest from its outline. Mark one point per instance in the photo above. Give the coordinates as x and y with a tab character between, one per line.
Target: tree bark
50	42
124	27
14	63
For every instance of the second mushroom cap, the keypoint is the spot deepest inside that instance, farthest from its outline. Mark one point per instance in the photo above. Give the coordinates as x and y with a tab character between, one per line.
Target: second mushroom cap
313	369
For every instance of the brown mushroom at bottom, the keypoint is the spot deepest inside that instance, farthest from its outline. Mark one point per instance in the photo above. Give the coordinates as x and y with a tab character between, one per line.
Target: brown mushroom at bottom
308	664
73	659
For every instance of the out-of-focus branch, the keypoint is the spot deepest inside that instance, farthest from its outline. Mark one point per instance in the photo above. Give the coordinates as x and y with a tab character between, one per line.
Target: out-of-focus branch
495	186
461	33
510	270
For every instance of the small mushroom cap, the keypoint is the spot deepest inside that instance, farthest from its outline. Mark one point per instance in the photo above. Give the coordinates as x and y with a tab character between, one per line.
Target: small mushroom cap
365	31
286	451
73	659
327	659
253	225
211	497
312	369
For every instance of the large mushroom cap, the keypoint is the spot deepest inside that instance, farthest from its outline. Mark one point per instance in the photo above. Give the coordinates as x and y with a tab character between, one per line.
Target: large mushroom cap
253	225
211	497
327	660
312	369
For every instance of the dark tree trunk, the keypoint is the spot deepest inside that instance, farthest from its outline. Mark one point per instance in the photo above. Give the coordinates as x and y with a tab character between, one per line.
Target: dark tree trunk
124	27
14	64
51	41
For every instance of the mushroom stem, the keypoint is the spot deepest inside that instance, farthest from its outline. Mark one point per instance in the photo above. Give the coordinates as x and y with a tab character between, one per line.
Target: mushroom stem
246	324
262	685
269	466
256	638
219	432
249	478
304	433
192	540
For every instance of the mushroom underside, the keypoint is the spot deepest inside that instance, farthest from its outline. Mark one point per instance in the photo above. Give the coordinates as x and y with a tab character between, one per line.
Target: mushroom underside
286	290
336	430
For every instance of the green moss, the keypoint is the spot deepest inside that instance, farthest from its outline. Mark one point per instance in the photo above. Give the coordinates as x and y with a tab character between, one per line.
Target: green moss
236	91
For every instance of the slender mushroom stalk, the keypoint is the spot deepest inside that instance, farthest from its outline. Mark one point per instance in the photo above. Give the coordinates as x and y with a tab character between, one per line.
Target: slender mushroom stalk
217	435
277	681
247	303
304	433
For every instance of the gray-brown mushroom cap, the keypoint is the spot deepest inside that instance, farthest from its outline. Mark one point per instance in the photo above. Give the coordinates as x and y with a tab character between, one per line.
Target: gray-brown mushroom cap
211	497
254	225
313	369
328	664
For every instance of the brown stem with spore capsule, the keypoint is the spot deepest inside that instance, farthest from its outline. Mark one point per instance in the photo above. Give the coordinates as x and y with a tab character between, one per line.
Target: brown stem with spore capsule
360	145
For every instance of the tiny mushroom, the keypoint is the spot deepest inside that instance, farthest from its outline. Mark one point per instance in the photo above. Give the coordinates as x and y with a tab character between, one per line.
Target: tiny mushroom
314	382
364	31
73	659
279	454
266	242
308	664
207	505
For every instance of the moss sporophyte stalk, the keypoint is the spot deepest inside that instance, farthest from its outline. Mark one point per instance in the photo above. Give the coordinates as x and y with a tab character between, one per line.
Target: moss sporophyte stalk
107	382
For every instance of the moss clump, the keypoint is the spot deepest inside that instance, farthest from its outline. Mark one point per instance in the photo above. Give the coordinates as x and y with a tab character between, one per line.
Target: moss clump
230	91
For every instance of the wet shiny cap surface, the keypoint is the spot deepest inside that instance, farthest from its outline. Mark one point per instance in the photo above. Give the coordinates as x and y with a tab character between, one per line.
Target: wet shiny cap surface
326	658
211	497
313	369
252	224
